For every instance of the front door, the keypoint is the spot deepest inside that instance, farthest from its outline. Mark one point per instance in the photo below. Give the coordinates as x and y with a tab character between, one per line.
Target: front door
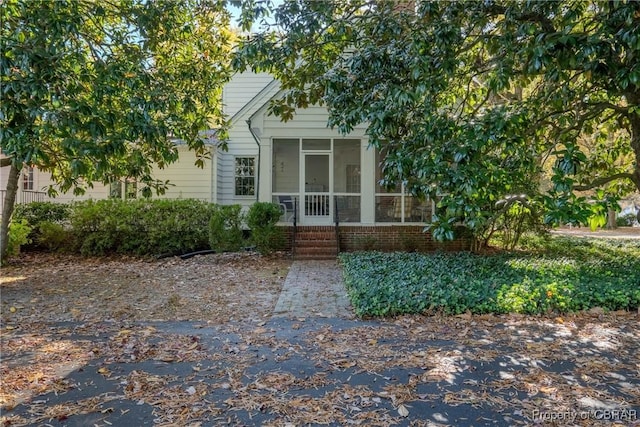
316	201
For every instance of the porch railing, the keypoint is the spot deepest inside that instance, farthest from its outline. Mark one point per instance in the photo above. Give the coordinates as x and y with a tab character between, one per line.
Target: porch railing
295	227
316	204
337	221
23	196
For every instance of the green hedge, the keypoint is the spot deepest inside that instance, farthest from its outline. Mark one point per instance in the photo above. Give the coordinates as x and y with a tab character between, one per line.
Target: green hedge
141	227
261	219
46	220
566	275
225	228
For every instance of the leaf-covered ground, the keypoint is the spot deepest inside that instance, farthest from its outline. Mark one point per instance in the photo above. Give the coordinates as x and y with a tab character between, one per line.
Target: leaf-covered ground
213	288
232	364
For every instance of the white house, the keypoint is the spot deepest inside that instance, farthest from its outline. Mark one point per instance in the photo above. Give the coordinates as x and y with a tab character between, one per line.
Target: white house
320	178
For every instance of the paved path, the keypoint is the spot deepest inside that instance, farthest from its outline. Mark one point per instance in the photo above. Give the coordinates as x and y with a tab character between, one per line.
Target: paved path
314	289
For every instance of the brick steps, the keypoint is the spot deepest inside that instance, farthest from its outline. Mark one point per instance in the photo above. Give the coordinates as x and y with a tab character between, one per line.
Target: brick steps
316	244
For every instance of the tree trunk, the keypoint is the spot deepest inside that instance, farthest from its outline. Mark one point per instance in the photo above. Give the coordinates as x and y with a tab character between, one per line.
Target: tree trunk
7	211
611	219
634	120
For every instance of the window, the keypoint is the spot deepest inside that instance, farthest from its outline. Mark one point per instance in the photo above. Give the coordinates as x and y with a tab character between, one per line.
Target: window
394	204
130	189
245	176
27	178
127	189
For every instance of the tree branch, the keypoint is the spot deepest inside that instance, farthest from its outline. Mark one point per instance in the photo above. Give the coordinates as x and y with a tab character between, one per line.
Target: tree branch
608	105
5	161
603	180
530	16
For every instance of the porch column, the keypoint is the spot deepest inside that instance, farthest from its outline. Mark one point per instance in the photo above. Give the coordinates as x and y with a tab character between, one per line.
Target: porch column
368	188
266	156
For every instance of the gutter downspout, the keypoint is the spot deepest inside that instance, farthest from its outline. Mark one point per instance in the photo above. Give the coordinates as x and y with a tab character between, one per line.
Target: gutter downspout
257	140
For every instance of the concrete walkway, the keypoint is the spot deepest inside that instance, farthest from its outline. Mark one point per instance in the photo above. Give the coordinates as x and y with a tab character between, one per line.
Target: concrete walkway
314	289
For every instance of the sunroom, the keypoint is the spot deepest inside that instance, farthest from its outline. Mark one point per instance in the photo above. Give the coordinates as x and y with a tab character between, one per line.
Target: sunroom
321	181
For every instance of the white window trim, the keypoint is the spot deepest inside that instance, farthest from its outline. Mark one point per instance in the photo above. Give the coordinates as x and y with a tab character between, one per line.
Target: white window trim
255	177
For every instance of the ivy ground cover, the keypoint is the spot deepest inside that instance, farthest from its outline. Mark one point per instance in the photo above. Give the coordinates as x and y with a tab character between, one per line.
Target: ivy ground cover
559	274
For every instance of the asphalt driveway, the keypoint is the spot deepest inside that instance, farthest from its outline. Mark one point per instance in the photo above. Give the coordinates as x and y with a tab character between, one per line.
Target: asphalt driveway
316	365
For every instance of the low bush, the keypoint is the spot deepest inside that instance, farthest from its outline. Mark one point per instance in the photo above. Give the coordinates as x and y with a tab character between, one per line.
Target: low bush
53	236
225	232
19	231
261	219
626	220
141	227
38	213
554	275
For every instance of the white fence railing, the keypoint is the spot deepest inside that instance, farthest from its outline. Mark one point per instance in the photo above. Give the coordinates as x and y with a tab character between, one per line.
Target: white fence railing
317	204
23	196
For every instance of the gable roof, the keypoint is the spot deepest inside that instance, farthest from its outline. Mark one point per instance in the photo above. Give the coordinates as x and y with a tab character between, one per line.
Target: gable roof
262	98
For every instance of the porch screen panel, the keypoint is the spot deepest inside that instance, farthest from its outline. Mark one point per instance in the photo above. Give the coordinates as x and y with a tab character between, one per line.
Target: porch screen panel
346	179
346	166
286	166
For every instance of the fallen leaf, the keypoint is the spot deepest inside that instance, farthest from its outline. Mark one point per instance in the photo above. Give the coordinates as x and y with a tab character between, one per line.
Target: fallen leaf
403	411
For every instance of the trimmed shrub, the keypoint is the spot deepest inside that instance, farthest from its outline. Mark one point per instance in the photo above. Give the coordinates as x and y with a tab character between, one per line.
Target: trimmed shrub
262	218
225	232
141	227
37	212
52	236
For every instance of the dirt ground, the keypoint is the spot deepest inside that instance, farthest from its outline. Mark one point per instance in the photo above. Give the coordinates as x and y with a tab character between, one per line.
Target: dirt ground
217	288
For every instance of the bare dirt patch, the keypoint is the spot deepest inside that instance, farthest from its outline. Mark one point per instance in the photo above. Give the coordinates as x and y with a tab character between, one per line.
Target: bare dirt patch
215	288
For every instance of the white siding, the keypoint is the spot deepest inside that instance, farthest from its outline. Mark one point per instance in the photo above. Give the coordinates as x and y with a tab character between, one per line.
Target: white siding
241	144
242	88
308	122
99	191
219	176
189	181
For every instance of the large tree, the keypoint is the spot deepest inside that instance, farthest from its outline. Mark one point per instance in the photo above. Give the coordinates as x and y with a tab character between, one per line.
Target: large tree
472	101
93	91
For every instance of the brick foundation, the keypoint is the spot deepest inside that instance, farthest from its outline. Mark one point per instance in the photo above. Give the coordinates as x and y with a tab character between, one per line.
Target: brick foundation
386	238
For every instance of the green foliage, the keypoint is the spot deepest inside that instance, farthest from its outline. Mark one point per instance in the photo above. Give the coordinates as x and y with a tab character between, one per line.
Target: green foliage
18	236
263	214
554	275
39	214
626	220
100	91
53	236
261	219
141	227
515	216
225	232
471	102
